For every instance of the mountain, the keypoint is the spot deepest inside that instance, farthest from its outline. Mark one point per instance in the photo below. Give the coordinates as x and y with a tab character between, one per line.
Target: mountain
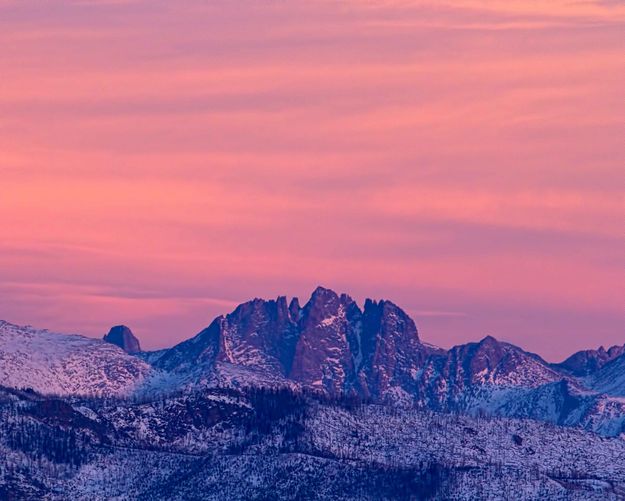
325	400
482	376
67	364
335	346
122	336
586	362
332	345
329	344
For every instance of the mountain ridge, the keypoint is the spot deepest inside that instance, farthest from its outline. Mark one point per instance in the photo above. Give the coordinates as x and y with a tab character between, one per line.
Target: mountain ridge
331	344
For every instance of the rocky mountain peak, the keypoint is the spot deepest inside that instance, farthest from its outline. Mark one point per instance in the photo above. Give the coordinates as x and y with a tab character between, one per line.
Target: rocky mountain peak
122	336
322	355
322	298
588	362
488	353
391	352
294	309
329	343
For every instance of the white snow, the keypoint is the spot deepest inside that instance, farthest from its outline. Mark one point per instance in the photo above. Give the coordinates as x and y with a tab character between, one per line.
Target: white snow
64	364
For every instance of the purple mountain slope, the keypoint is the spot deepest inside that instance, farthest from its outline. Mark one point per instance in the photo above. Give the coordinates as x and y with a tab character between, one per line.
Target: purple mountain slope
610	378
481	375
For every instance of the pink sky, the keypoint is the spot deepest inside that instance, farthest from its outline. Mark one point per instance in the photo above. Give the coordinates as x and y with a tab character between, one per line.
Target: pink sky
161	162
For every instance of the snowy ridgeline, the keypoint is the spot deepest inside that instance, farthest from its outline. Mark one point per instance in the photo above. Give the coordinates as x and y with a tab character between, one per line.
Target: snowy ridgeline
248	348
224	443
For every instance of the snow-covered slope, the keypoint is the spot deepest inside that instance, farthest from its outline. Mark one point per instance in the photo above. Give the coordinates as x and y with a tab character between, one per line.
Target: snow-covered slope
67	364
222	444
610	379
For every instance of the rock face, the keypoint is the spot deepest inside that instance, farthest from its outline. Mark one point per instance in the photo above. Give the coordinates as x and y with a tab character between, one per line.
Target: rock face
391	353
122	336
260	334
329	344
322	356
587	362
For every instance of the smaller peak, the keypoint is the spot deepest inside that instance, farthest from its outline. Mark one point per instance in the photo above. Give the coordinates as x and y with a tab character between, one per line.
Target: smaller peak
323	294
294	304
489	341
381	303
122	336
346	299
370	304
385	303
120	327
294	309
247	306
320	290
385	307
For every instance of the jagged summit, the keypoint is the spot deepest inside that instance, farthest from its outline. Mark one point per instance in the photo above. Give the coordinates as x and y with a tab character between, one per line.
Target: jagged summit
489	340
122	336
329	343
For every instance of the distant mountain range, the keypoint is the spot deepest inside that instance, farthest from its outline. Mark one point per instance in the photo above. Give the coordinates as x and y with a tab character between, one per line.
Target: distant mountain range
331	345
329	350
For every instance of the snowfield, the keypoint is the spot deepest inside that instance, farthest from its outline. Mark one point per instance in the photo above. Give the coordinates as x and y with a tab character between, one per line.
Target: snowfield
329	451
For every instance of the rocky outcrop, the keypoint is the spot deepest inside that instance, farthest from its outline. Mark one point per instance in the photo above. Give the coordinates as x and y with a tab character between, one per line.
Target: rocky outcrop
323	357
122	336
391	354
260	334
329	343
